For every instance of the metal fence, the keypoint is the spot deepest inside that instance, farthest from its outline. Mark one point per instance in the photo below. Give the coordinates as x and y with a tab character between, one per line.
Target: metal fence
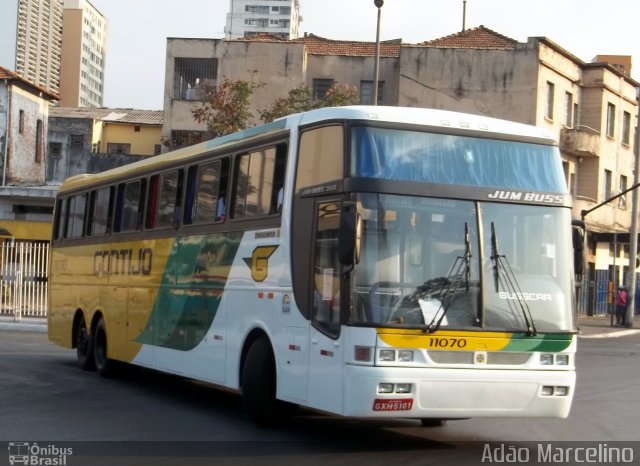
23	278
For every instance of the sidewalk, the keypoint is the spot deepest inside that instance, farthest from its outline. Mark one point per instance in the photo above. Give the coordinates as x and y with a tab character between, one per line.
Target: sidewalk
589	327
600	327
26	324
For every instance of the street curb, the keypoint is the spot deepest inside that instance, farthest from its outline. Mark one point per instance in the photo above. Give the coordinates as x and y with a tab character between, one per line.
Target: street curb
619	333
24	327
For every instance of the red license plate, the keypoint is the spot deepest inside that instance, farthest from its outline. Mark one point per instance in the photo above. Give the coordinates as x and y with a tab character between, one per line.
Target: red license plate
403	404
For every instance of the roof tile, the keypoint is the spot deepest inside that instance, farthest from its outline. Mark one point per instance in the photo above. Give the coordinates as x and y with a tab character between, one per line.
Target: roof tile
121	115
476	38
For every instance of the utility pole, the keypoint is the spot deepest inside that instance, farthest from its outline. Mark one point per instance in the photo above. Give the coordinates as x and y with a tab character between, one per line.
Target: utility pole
376	66
633	240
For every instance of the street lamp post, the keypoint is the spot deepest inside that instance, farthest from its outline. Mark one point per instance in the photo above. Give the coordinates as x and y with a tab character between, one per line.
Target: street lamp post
376	67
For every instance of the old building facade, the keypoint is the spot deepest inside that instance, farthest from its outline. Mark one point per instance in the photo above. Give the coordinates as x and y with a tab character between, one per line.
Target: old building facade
24	196
592	108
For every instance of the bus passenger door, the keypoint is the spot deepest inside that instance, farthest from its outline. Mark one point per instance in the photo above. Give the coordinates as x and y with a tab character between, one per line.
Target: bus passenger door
325	359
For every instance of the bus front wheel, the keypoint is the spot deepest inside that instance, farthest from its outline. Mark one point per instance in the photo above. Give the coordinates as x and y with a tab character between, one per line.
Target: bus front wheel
259	385
104	365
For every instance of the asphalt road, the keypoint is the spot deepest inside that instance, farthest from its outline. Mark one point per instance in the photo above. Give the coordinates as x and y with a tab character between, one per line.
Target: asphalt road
145	417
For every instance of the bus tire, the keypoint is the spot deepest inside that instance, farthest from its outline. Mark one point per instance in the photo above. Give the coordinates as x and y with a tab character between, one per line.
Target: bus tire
259	385
104	365
84	345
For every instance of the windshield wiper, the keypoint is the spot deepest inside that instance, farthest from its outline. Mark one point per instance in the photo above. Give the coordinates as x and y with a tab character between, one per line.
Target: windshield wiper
510	282
461	269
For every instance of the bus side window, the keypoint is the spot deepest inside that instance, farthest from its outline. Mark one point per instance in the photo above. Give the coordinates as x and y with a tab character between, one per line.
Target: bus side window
260	182
76	209
100	207
61	214
165	200
326	273
321	155
169	199
129	206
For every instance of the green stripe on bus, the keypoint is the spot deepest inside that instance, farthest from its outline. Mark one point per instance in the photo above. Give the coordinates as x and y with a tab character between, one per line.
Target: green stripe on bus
192	287
543	342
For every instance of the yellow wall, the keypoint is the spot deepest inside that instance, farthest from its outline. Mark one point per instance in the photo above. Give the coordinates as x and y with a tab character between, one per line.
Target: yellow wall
142	142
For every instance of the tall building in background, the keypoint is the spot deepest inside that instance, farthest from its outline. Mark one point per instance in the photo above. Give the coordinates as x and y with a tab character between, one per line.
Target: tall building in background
31	40
84	36
279	18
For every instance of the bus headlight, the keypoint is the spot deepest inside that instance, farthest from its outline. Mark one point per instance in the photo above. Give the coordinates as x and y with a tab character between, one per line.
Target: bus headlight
385	388
403	388
546	359
562	359
405	355
387	355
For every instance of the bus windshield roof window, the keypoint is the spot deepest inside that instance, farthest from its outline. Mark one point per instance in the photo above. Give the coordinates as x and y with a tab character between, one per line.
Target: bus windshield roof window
451	159
416	267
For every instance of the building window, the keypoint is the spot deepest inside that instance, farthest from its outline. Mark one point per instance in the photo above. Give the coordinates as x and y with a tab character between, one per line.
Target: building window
626	128
184	138
622	200
136	129
611	120
157	149
607	184
321	87
193	77
568	122
366	92
39	141
55	149
575	115
117	148
551	89
77	141
260	9
21	122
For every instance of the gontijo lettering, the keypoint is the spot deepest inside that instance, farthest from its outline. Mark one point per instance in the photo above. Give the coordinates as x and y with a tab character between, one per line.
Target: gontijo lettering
123	262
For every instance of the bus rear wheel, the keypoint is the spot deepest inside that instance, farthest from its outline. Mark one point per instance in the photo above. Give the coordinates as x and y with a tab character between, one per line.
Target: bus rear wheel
259	386
104	365
84	346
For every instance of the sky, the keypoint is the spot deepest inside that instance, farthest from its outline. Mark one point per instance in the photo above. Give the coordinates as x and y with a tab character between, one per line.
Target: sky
138	29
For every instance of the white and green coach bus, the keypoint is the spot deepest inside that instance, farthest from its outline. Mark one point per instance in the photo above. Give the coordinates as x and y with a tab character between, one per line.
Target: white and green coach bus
360	261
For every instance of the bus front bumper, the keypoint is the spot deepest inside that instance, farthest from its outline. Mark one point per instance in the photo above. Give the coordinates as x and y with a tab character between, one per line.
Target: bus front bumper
457	393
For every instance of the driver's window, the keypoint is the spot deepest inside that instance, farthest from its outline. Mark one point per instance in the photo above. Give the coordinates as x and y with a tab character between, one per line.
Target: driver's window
326	274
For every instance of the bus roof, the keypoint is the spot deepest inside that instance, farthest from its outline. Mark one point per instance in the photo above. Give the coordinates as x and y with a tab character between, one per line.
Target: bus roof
431	118
465	122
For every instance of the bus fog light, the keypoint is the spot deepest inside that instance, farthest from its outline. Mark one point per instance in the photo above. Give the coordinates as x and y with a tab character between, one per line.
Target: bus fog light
561	391
405	355
546	359
385	388
562	360
547	390
387	355
403	388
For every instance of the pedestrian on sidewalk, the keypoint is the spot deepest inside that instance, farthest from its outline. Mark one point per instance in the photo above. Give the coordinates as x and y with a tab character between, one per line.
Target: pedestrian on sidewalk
621	305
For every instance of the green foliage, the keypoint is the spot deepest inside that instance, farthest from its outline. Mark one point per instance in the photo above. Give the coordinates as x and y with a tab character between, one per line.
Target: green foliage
300	99
227	107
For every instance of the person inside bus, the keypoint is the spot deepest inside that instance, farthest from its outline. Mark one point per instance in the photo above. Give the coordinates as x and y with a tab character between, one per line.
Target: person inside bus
220	208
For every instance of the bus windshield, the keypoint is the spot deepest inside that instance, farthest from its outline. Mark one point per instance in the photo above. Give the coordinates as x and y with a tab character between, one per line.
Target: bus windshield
425	264
453	159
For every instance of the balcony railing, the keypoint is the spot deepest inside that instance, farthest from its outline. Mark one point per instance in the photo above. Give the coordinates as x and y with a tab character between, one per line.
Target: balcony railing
580	141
